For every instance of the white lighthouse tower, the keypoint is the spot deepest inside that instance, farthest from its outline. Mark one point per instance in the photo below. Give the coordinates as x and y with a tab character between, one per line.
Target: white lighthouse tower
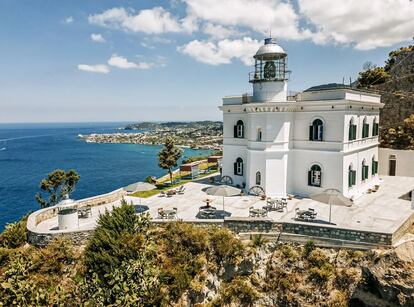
270	76
324	137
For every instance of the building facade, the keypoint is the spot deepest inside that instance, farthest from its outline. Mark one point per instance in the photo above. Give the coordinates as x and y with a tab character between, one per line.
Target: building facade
318	139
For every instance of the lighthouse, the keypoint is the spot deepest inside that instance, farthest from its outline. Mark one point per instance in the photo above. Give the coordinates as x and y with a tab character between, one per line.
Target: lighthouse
270	76
276	144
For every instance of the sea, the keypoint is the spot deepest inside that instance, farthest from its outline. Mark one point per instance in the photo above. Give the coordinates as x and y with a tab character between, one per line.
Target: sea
28	152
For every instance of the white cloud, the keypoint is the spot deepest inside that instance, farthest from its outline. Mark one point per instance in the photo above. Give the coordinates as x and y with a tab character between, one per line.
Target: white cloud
259	15
223	51
152	21
99	68
219	32
366	24
97	38
69	19
123	63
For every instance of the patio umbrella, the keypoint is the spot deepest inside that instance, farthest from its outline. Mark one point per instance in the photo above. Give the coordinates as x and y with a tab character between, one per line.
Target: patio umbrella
332	197
223	190
139	187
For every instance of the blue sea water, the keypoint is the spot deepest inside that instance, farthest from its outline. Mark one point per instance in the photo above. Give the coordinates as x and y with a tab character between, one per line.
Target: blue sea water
28	152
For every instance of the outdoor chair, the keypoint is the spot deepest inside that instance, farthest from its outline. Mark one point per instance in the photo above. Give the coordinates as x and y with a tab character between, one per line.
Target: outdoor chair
85	212
161	213
162	194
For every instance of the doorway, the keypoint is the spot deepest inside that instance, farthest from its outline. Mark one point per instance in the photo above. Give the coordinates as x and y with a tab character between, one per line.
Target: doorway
392	166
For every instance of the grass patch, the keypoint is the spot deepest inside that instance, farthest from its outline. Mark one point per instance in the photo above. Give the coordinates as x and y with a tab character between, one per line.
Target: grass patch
162	187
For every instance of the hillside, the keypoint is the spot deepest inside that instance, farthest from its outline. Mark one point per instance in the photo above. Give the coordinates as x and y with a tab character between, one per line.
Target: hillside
131	262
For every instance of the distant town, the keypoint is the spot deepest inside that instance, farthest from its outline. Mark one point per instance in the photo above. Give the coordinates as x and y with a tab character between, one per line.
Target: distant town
198	135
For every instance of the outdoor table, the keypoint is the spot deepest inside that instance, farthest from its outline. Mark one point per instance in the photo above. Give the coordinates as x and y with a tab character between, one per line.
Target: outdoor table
170	213
258	212
305	214
206	207
209	213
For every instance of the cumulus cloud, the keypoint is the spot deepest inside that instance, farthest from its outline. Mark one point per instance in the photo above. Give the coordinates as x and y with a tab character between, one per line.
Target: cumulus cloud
220	32
363	23
99	68
223	51
97	38
123	63
68	20
152	21
260	15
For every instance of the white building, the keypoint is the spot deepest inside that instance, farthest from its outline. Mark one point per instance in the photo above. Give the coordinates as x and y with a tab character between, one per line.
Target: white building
318	139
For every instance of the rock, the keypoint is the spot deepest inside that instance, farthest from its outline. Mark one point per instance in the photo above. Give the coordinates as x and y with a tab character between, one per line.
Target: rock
245	267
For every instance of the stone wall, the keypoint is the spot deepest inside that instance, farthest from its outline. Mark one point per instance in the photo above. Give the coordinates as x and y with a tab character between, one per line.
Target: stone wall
338	233
42	238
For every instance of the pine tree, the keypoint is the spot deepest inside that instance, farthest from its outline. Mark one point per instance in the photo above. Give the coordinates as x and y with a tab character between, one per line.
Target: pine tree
169	156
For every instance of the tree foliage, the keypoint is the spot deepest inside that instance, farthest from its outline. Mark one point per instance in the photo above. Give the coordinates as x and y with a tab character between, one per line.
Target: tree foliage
372	75
56	186
14	235
168	156
399	137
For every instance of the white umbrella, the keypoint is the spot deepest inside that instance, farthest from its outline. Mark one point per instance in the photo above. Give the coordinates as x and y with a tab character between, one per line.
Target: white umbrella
139	187
332	197
223	190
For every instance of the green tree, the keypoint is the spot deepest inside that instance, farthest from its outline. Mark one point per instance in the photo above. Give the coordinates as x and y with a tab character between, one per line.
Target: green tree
372	75
56	186
169	156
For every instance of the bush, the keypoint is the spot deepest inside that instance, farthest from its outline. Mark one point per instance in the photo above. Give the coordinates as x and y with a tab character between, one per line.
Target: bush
321	274
226	247
258	240
120	235
308	248
239	290
14	235
288	252
345	278
317	258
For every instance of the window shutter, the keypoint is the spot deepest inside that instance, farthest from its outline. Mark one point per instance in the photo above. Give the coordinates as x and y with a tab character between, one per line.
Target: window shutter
235	168
241	169
235	131
242	131
366	171
320	133
350	133
310	133
309	178
354	130
320	179
350	179
353	177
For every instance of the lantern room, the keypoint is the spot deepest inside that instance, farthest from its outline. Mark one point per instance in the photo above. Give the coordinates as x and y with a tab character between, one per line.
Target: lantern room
270	75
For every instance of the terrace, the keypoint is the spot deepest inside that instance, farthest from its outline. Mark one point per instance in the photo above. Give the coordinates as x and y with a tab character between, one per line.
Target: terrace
382	213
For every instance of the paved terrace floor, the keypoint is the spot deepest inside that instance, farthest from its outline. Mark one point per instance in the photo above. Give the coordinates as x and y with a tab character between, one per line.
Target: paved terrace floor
382	211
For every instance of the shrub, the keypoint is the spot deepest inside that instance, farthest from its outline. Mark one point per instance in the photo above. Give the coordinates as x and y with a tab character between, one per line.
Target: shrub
14	235
134	283
288	252
120	235
321	274
317	258
345	278
258	240
226	247
239	290
308	248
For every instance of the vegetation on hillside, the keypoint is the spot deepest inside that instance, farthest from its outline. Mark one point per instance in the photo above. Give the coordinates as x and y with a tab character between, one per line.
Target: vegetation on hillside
129	261
399	137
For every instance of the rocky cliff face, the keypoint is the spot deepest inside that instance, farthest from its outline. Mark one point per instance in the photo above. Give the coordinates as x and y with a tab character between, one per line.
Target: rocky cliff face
398	92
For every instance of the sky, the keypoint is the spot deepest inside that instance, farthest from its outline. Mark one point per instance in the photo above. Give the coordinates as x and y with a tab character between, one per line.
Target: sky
116	60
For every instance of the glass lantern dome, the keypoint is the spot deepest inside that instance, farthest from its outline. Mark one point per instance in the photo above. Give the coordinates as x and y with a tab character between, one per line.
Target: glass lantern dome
270	63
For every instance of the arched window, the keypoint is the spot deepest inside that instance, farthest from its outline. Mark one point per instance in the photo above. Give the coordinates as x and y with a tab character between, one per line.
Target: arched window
365	128
374	166
375	127
315	176
258	178
239	129
351	176
238	167
364	170
352	130
316	130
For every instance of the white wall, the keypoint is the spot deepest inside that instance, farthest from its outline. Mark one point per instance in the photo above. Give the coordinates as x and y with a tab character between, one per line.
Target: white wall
404	164
274	91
